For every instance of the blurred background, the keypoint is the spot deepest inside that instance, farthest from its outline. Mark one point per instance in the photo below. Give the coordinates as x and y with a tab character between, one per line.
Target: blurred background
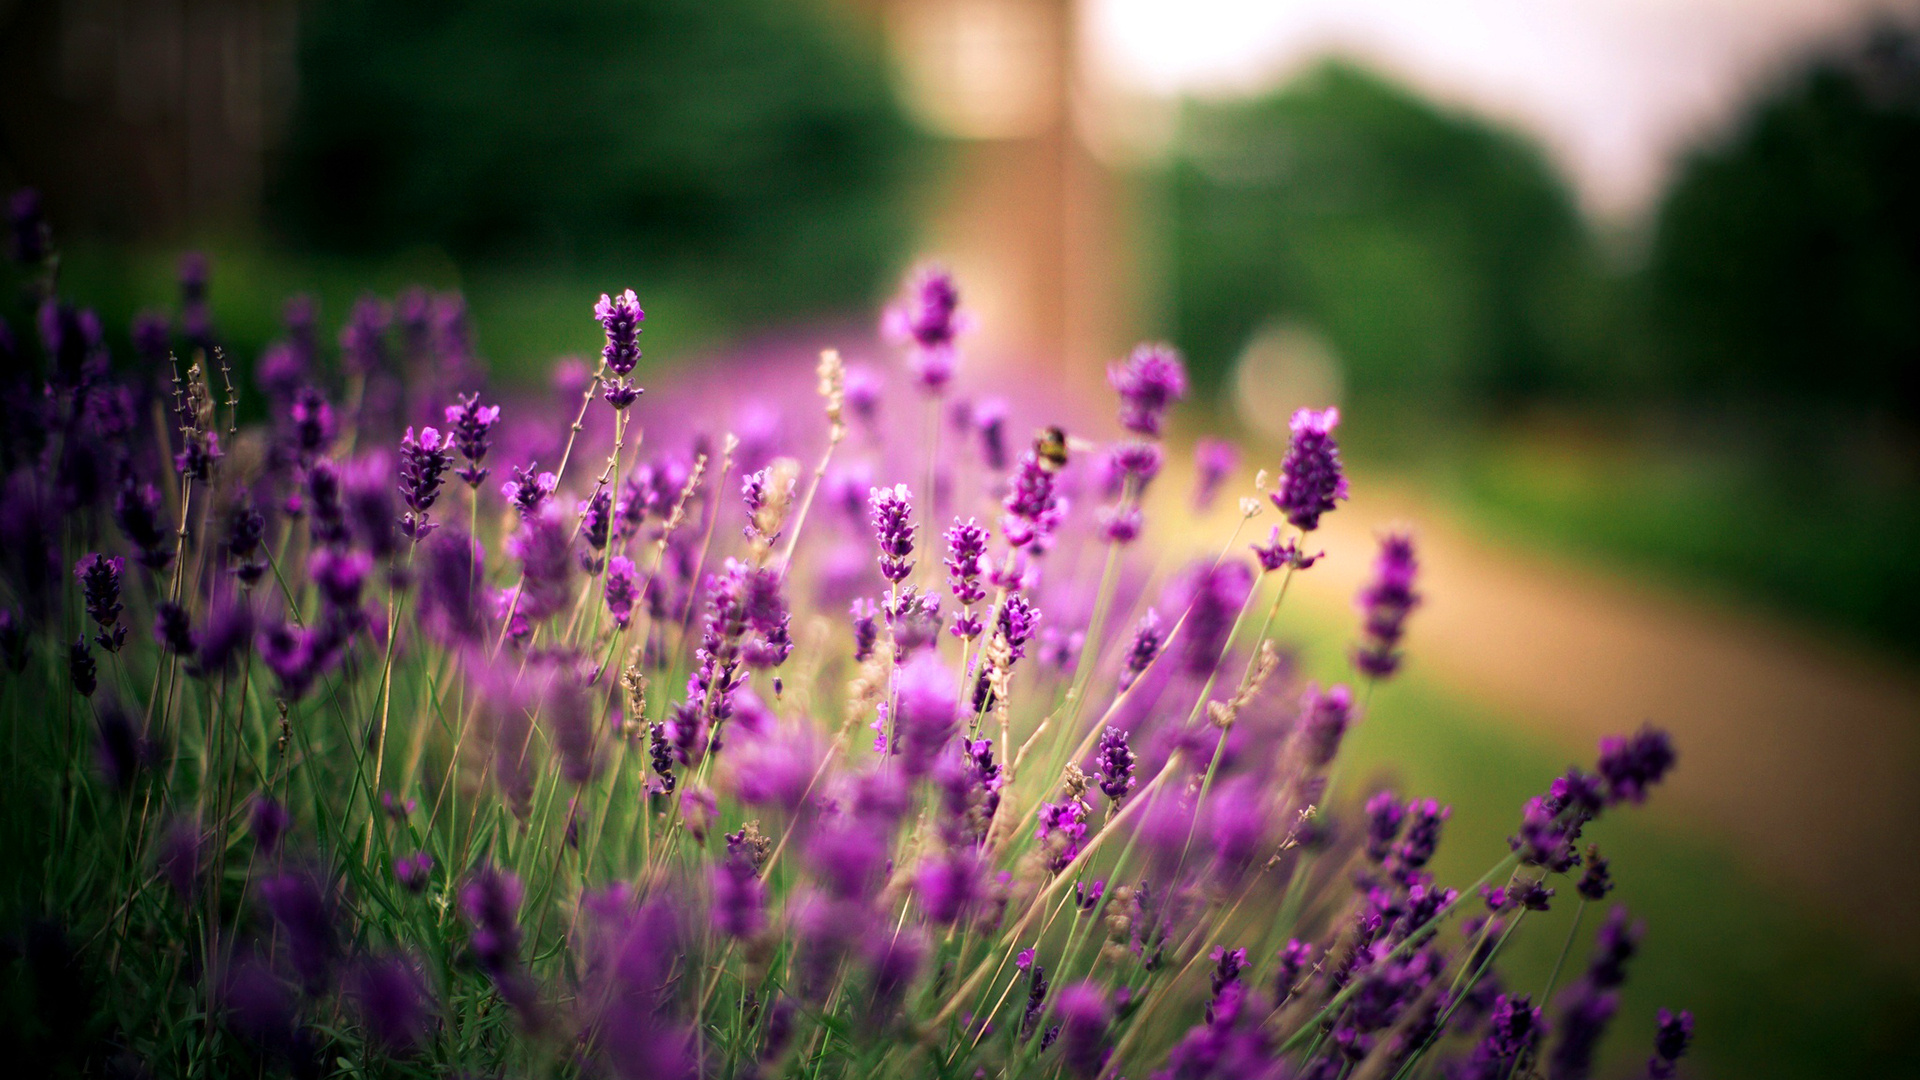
1620	299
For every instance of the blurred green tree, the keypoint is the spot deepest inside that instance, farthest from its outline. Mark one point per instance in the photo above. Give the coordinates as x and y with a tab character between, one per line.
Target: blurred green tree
1785	267
754	145
1441	256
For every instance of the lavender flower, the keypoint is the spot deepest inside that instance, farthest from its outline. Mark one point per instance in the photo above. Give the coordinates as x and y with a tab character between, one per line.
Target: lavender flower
1149	380
1019	620
1215	594
1669	1043
546	566
1033	509
527	491
450	603
1214	460
1084	1016
304	913
471	424
1632	765
1614	945
739	899
171	628
950	886
1116	763
1061	830
621	588
392	1000
1582	1022
1425	816
1324	717
268	821
1595	882
490	902
100	578
1278	555
1311	480
1385	815
928	319
414	871
1147	641
966	555
928	712
311	424
620	316
422	461
891	513
1384	604
81	668
363	340
137	509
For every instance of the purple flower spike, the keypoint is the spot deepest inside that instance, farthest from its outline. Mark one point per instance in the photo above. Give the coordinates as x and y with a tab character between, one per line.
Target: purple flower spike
1385	815
300	906
1214	460
1323	723
1311	480
1276	554
546	577
928	319
268	821
1084	1016
890	510
966	548
100	580
527	491
928	712
1384	605
739	898
1148	381
1033	509
621	589
119	750
1669	1043
1116	764
414	871
422	462
363	341
137	509
620	316
1216	593
1632	765
490	900
392	999
1148	637
472	426
81	668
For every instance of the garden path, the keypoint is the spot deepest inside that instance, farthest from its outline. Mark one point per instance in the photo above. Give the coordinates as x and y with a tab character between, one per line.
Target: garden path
1805	752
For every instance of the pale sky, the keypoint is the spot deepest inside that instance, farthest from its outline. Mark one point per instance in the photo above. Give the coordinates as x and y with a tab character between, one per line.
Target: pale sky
1613	88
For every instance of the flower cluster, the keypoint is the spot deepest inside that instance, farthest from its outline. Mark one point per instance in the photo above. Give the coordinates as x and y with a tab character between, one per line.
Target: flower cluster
567	773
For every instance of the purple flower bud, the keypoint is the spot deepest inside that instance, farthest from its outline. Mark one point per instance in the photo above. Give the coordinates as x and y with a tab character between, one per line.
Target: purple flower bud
527	491
1019	620
1425	816
340	575
29	238
1116	761
1121	524
621	588
1311	480
928	319
120	750
1669	1043
1084	1016
1324	718
990	419
363	340
1295	960
1276	555
739	899
1214	595
1614	945
268	821
1214	460
311	423
1033	508
1147	641
950	885
414	871
1385	815
1633	764
295	657
966	548
546	565
620	316
1149	380
1384	604
927	712
866	628
891	510
137	509
422	462
490	902
298	902
393	1004
450	604
1596	882
171	628
472	427
1062	828
81	667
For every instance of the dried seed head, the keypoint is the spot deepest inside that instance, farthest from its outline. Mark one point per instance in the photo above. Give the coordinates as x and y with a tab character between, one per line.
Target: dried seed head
833	388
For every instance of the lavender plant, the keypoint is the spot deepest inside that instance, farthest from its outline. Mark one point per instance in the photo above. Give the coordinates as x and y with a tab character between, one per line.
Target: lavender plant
659	763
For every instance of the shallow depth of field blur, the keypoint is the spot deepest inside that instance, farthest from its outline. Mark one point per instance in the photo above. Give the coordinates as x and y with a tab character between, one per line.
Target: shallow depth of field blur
1620	301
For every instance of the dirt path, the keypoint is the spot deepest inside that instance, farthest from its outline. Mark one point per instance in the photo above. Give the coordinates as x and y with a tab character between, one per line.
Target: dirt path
1806	755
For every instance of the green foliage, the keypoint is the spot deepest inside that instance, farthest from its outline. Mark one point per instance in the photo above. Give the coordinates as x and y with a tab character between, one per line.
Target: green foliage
1786	264
758	137
1439	255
